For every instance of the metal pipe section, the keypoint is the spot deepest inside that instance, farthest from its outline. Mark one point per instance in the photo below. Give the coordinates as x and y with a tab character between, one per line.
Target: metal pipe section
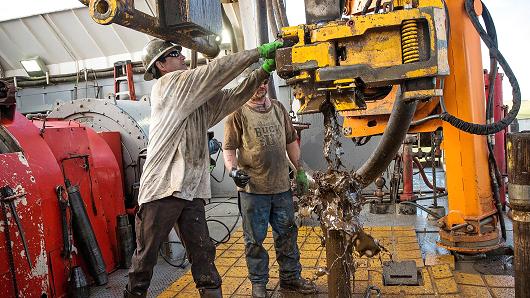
395	132
518	146
408	188
73	77
85	237
122	12
340	264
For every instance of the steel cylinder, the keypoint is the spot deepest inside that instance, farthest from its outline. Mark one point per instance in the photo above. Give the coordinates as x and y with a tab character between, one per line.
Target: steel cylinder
85	237
518	147
125	240
408	187
78	285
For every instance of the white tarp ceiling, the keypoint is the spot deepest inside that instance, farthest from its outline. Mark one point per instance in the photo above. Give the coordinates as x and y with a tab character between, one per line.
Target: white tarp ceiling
67	41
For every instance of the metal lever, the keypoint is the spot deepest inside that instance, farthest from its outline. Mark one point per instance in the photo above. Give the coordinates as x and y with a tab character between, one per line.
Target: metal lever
8	196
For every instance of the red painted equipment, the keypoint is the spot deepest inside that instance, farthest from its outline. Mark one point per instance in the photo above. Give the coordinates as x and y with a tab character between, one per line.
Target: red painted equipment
408	189
36	157
499	111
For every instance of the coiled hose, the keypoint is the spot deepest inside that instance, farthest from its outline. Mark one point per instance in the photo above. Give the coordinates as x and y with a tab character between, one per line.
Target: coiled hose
490	40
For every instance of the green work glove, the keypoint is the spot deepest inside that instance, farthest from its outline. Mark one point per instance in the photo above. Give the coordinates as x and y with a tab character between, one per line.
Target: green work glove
302	183
267	50
269	65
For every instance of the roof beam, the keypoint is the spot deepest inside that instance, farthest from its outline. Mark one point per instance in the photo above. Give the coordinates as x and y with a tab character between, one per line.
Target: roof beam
6	58
61	38
87	33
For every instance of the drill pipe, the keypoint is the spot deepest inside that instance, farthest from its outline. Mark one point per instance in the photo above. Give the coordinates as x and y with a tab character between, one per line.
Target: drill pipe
518	145
395	132
122	12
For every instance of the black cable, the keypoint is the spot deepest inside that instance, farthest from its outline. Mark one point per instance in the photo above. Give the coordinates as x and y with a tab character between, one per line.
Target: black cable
166	258
366	6
490	41
377	6
225	239
496	191
494	169
435	215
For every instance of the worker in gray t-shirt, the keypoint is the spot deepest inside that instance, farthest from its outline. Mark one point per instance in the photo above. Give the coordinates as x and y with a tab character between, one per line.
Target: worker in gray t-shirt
257	137
175	179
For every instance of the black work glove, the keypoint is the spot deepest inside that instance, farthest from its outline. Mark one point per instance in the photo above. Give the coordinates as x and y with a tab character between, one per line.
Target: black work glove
241	178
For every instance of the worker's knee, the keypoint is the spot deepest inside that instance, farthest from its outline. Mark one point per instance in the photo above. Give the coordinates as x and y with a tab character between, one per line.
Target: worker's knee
254	249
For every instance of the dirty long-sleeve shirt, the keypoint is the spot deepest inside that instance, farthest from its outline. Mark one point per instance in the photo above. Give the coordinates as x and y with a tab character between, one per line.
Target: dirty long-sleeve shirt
184	104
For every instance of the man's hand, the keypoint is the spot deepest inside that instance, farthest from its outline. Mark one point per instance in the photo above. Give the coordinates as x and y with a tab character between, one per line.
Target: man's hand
302	183
269	65
241	178
267	50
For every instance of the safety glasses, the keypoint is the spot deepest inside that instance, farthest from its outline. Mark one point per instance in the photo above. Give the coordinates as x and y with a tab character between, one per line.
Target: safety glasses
175	54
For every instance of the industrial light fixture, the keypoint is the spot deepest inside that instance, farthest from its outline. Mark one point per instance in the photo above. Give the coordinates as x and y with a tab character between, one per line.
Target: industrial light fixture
34	67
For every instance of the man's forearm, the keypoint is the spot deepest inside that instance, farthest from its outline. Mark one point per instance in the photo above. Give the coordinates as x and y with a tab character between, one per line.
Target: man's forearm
293	151
230	159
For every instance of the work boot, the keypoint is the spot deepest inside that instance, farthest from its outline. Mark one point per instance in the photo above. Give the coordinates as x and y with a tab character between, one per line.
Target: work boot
211	293
129	294
300	285
259	291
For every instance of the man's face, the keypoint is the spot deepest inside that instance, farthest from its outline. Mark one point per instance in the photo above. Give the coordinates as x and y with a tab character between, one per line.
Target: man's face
260	92
174	60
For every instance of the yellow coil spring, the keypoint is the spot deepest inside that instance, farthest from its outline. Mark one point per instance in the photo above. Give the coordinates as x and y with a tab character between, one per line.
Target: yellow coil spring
409	41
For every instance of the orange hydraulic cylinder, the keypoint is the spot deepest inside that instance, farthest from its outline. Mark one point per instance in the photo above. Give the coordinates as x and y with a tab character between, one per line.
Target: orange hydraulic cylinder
466	156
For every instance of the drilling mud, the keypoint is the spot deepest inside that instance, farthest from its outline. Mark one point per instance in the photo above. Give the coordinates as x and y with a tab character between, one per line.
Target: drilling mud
335	197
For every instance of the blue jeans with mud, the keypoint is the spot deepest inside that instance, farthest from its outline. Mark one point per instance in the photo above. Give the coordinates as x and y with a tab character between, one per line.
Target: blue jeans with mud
278	210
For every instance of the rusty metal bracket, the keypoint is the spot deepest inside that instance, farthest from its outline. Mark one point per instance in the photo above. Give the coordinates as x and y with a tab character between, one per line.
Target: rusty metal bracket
124	13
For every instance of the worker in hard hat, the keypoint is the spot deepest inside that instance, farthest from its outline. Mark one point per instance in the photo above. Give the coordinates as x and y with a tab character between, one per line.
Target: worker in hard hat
175	179
261	132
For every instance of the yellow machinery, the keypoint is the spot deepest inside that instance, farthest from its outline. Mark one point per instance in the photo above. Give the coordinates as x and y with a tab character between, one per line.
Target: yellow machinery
415	51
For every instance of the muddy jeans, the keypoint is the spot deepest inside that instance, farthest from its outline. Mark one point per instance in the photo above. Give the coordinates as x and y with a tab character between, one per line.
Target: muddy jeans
154	221
278	210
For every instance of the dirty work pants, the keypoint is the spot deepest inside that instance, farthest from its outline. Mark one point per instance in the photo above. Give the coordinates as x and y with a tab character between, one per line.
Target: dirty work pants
154	221
278	210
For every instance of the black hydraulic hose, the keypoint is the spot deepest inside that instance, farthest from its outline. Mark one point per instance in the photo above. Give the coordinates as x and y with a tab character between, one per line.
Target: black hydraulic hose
495	174
492	33
491	128
424	176
395	132
366	7
496	191
437	216
377	6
